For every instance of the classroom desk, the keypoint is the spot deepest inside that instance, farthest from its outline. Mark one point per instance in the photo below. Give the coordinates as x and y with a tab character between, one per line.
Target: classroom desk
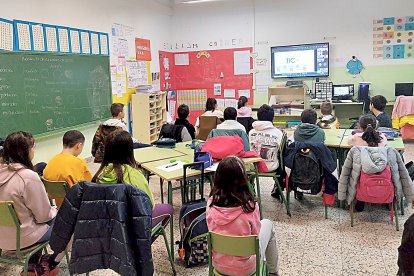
150	154
178	175
333	139
184	148
397	143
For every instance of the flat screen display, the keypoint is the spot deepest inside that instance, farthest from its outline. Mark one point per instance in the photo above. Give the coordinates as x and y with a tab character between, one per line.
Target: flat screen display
295	61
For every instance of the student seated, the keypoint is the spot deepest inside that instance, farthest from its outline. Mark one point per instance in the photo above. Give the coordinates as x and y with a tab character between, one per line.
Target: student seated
242	109
308	131
22	185
230	116
244	114
328	120
211	110
119	166
265	138
66	166
117	122
377	107
232	210
183	111
368	136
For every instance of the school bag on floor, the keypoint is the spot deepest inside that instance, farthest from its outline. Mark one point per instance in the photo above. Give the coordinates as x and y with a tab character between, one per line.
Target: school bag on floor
193	248
306	175
376	187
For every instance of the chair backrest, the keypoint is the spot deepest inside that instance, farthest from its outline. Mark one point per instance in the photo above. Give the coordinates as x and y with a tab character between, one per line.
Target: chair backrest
206	124
55	189
192	180
231	132
246	122
9	218
282	147
240	246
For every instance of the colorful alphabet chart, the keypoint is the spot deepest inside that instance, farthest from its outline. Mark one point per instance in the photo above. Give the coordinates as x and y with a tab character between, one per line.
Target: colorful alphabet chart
195	99
393	38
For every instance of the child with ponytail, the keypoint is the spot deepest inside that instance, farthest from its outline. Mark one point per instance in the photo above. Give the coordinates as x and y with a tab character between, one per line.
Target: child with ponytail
368	136
242	109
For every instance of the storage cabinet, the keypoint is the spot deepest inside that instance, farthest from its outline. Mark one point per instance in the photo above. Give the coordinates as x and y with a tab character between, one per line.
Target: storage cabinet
148	115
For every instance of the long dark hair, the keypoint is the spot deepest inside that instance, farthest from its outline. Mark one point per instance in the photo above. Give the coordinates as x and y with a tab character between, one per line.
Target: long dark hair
211	104
17	148
119	150
242	101
230	186
368	123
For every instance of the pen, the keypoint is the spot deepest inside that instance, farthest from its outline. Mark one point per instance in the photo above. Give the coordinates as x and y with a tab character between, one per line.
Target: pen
169	166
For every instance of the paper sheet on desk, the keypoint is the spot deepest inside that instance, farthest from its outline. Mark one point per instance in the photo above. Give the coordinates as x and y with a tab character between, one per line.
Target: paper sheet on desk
170	167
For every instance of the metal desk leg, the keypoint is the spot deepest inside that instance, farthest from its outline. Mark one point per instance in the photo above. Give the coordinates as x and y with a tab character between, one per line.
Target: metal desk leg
256	174
170	201
162	190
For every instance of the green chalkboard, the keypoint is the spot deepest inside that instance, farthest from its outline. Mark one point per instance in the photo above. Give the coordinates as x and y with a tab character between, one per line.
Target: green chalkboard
43	92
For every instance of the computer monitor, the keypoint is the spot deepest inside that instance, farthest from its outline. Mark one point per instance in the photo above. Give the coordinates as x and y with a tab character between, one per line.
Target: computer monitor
343	91
403	89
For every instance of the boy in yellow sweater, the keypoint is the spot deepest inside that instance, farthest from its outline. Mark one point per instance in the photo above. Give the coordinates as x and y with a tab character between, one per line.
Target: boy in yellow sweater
66	166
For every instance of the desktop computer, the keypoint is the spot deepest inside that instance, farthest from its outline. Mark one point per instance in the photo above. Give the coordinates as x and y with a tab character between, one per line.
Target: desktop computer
363	95
342	92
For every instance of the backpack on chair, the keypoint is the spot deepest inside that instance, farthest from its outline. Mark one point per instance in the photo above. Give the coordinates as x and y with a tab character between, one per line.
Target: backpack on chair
172	132
375	188
193	248
306	175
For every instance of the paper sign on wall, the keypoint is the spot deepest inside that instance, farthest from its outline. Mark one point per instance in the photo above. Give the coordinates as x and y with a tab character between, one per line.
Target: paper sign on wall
220	103
263	79
229	93
230	103
217	89
143	49
120	65
244	92
242	62
261	89
182	59
137	73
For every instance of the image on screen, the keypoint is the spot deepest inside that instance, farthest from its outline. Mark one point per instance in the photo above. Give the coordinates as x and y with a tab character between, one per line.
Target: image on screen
306	60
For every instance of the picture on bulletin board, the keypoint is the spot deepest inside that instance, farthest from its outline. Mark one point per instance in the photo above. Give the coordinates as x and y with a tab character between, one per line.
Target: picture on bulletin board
393	38
223	74
143	49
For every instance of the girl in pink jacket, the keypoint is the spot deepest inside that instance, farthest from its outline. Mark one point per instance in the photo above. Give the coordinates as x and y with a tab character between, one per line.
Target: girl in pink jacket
22	185
232	210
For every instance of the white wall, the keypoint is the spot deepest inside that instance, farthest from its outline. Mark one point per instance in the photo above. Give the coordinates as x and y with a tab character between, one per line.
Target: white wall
150	19
347	25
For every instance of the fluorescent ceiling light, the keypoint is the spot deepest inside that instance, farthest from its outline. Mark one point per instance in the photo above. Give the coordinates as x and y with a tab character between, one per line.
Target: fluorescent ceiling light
196	1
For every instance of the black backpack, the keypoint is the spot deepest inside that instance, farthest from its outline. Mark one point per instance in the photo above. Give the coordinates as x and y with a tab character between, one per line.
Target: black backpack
306	175
171	131
193	232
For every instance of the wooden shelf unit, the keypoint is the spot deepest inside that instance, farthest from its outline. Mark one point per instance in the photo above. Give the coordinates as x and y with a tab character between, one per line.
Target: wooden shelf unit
149	113
287	94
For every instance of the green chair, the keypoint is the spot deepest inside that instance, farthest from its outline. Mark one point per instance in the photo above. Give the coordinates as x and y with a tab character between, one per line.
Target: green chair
55	189
235	246
160	230
276	175
394	205
9	218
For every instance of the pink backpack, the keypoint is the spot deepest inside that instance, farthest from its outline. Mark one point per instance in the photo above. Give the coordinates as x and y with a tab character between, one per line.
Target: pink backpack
376	188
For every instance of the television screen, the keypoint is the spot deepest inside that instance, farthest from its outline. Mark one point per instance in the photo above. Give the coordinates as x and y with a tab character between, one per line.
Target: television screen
306	60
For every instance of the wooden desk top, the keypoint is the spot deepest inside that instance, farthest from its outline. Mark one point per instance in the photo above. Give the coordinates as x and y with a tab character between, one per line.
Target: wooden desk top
397	143
149	154
183	148
333	137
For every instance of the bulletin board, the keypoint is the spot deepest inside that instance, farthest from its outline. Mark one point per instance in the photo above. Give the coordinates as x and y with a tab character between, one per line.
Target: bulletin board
216	71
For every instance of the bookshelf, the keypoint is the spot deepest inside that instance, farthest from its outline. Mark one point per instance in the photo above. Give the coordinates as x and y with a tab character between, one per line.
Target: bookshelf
288	104
149	113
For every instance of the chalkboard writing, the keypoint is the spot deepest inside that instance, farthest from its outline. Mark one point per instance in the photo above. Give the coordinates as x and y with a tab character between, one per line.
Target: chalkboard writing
44	92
